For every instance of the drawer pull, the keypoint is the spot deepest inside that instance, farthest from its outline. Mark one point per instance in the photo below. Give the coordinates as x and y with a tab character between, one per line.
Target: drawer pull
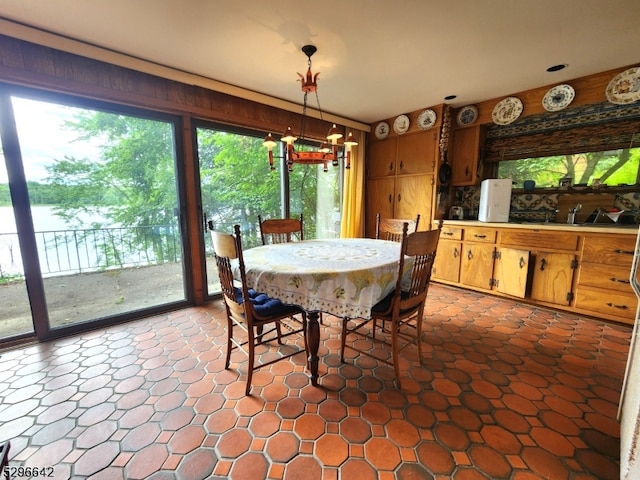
624	252
479	236
522	263
543	264
455	253
619	280
450	234
469	255
622	307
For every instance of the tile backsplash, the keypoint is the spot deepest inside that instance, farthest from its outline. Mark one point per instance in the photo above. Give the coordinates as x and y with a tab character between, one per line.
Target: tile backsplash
527	206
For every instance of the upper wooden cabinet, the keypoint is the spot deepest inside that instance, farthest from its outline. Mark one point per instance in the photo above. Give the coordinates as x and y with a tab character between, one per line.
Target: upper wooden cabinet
464	154
417	153
400	177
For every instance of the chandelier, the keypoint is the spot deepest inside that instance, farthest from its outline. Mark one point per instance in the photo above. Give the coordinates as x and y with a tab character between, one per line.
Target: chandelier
330	150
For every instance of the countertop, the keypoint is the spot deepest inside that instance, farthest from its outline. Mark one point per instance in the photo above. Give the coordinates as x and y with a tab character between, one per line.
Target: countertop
597	228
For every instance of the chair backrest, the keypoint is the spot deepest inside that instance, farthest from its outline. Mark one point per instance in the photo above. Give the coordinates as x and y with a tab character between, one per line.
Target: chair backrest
391	228
412	286
227	249
281	230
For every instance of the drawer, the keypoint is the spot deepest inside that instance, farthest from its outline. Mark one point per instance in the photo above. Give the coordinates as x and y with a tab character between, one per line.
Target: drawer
609	249
451	233
601	275
479	234
621	305
535	239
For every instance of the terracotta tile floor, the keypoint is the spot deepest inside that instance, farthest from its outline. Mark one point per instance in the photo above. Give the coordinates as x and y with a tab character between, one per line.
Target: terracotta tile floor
507	391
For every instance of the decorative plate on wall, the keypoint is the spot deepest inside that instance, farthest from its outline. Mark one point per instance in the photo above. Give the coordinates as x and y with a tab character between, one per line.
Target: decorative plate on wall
401	124
427	119
467	115
382	130
507	111
558	98
624	88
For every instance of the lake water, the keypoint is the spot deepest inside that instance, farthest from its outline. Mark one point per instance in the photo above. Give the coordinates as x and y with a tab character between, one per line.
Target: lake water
44	220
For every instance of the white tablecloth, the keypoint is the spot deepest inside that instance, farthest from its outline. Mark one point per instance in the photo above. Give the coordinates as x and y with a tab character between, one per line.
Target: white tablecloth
343	277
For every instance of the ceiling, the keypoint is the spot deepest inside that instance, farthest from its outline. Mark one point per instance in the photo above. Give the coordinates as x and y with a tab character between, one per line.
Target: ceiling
376	59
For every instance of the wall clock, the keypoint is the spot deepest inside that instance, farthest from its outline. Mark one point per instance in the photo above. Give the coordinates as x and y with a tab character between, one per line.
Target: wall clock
558	98
401	124
427	119
382	130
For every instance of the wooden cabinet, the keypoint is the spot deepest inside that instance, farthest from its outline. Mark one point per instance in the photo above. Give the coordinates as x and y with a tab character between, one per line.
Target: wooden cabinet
446	266
464	154
551	271
476	265
400	178
578	271
603	281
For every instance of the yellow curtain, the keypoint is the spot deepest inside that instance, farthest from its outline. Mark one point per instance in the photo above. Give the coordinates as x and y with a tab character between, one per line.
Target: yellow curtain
352	224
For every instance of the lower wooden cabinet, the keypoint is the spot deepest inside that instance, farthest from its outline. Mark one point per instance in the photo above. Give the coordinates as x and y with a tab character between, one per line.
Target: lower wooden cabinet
584	272
603	283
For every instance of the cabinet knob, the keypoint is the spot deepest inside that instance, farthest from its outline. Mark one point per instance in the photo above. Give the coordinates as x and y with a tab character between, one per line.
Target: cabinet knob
469	255
399	197
401	165
390	166
390	198
455	253
543	264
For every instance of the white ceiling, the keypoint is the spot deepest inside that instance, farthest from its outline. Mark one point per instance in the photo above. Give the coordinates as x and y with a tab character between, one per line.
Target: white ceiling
376	58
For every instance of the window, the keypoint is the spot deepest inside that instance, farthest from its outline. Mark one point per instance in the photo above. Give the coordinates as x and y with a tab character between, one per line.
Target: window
611	167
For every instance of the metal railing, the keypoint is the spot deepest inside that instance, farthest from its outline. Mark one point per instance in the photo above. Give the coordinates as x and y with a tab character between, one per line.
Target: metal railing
89	250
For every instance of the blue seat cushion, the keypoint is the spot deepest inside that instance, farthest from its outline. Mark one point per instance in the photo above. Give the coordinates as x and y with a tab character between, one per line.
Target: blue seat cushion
266	306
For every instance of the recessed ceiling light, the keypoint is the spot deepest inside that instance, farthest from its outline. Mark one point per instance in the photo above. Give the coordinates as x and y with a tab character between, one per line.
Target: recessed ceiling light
450	97
556	68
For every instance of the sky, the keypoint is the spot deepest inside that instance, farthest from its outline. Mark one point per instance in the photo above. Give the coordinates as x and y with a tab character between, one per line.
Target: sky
43	137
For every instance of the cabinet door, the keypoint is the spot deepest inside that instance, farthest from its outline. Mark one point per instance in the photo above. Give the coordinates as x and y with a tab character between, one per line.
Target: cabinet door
447	264
476	267
381	158
552	277
464	154
380	199
511	270
413	196
417	153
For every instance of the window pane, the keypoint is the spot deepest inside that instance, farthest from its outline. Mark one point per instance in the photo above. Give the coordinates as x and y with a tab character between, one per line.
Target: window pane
612	167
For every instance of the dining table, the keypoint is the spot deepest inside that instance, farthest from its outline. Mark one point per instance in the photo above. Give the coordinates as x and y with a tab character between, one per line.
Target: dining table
343	277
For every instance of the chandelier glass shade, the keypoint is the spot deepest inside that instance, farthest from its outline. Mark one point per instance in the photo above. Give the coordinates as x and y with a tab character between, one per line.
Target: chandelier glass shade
330	150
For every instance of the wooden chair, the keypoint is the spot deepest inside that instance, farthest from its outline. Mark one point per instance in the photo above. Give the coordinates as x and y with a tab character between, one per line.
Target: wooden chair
281	230
403	308
391	228
255	314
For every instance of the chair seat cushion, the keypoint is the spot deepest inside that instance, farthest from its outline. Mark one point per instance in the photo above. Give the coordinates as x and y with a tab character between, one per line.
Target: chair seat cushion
383	305
265	306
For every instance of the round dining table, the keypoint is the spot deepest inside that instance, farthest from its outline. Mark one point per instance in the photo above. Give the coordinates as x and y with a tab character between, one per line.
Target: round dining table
343	277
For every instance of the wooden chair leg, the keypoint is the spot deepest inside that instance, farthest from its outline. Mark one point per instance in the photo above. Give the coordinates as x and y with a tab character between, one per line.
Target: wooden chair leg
252	354
419	336
229	343
394	351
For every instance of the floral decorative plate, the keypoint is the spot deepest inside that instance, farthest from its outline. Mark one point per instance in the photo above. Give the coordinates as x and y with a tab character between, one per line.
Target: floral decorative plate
427	119
507	111
467	115
558	98
382	130
401	124
624	88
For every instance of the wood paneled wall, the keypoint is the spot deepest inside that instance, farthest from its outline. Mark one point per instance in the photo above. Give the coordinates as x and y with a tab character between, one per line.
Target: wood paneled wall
28	64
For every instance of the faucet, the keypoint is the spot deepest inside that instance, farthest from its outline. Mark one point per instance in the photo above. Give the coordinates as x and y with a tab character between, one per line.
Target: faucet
571	218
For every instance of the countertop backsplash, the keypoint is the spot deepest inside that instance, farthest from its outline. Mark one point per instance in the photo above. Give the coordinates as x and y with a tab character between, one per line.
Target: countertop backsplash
541	207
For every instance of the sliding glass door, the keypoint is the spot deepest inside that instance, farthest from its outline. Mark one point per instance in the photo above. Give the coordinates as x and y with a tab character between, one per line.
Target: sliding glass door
103	204
236	186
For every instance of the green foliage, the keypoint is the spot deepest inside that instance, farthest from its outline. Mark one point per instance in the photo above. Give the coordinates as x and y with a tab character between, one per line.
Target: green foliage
611	167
